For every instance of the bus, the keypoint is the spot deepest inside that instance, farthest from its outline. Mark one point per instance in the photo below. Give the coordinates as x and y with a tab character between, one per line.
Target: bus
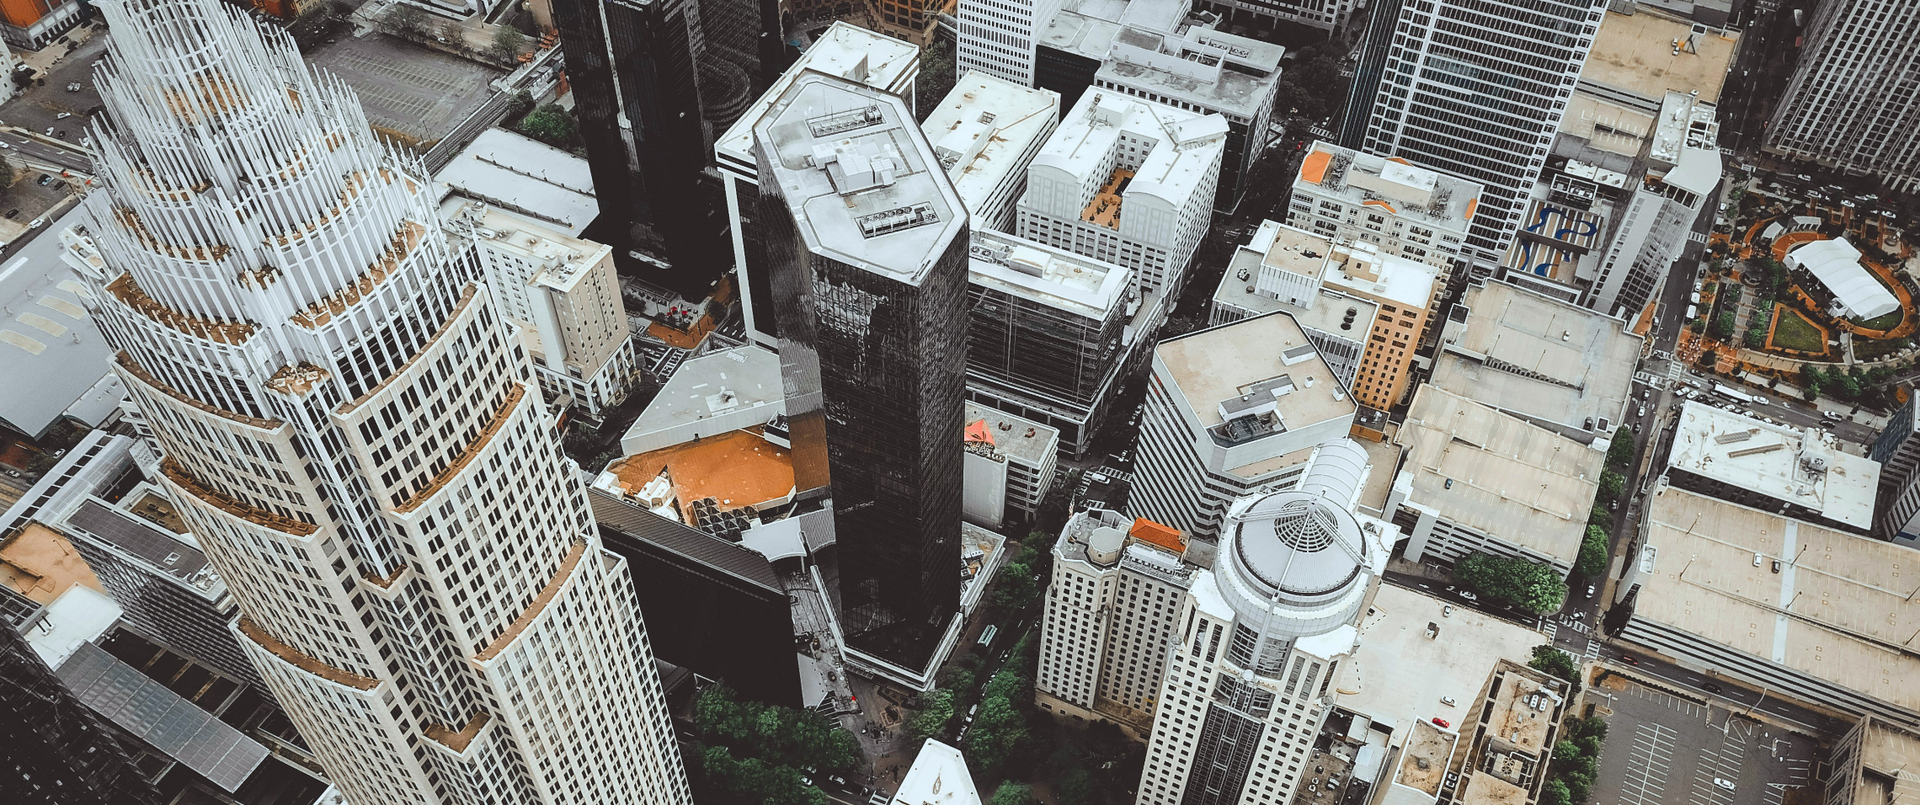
1730	392
986	637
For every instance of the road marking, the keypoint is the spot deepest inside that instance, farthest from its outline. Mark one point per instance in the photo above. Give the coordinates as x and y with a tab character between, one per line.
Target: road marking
12	267
1647	765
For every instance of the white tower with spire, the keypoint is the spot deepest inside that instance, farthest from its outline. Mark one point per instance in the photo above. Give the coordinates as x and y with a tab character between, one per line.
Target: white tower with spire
352	435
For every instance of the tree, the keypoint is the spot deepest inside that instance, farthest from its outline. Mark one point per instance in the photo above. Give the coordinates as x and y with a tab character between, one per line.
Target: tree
1533	587
1722	328
549	124
936	709
1593	553
937	74
508	43
521	104
1074	788
1620	452
408	21
1611	484
1554	662
1012	793
1555	793
7	172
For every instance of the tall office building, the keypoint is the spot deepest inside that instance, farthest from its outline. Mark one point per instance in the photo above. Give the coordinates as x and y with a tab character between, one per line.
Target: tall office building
1851	104
633	65
346	429
742	52
996	37
1483	108
58	750
867	244
1262	636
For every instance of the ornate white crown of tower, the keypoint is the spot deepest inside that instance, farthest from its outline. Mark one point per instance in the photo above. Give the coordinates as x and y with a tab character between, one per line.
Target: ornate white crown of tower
352	436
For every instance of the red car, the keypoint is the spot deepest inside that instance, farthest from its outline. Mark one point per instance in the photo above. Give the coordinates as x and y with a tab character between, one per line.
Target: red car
1628	659
1441	722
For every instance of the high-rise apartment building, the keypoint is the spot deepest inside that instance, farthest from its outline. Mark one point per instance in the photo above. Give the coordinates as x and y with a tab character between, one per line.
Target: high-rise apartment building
58	751
1262	636
1127	181
1898	452
1231	410
1851	104
1268	14
634	69
1483	108
1050	333
1113	606
741	52
1401	208
867	245
562	297
996	37
843	50
352	438
912	20
1683	169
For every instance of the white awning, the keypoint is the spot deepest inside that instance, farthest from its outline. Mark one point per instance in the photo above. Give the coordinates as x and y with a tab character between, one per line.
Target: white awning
1836	263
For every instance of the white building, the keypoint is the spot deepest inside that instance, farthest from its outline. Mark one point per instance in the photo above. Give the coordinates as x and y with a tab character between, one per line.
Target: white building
1262	636
1113	606
1008	468
349	432
1849	105
1403	209
1683	168
1494	125
1836	263
562	295
996	37
1798	472
938	776
1474	480
724	390
845	50
985	132
1127	181
1231	410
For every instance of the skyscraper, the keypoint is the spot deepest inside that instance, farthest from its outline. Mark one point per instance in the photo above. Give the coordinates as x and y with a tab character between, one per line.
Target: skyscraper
634	69
867	243
1852	104
58	751
1480	107
347	429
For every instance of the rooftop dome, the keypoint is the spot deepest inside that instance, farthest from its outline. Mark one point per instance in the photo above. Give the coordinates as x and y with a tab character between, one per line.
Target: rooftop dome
1299	545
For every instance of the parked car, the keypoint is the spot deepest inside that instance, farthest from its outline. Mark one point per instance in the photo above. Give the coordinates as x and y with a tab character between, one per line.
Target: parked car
45	179
1723	783
13	213
1448	701
1711	687
1441	722
1628	659
37	223
1833	416
1590	591
63	116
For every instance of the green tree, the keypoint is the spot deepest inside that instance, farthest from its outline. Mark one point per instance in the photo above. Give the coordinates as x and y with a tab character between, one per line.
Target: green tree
1014	587
998	729
1600	517
937	74
549	124
1554	662
408	21
936	710
508	43
1620	452
1593	553
1533	587
7	172
1012	793
1074	788
1722	326
1554	792
1611	484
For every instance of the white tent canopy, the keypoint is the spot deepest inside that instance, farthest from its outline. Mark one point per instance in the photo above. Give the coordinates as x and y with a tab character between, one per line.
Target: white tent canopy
1836	263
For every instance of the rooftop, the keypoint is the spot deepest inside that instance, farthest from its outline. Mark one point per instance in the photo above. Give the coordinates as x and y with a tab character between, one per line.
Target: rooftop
842	49
938	776
1237	285
155	714
165	551
526	176
1181	145
1390	183
1523	711
715	384
1057	277
1499	475
1889	755
1841	608
1191	66
1222	365
1425	758
1361	268
1018	438
1537	357
39	563
565	256
738	468
1804	467
1836	263
1634	53
51	354
76	618
619	515
983	128
864	185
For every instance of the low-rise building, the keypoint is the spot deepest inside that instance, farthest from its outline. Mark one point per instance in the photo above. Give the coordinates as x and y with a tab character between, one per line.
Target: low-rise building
1806	611
1873	765
1127	181
1403	209
1338	324
1230	410
1548	361
985	132
719	392
1476	480
1516	724
563	298
32	26
1799	472
1008	468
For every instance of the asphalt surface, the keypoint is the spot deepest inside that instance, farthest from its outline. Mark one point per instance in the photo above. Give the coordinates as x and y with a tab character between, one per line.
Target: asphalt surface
1663	748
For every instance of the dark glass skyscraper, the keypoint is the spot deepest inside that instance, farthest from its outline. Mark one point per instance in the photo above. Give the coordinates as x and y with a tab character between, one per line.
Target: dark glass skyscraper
633	67
57	750
867	242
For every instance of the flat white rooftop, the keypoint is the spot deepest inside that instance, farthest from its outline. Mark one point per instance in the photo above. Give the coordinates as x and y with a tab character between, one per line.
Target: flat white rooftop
1405	282
1537	357
938	776
844	50
1836	263
1056	277
983	128
525	176
1016	437
712	385
1239	92
1799	466
1391	184
1182	145
1221	363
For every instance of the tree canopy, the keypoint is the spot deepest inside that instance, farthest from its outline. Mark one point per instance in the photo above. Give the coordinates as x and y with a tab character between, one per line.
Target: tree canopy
1593	553
549	124
1530	586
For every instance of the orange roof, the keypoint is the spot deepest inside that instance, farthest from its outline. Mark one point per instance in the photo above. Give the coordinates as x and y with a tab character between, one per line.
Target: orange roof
738	468
1472	204
1314	167
978	432
1400	160
1378	203
1168	537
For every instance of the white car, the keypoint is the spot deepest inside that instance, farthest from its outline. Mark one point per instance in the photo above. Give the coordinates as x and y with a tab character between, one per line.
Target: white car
63	116
37	223
1832	415
1723	783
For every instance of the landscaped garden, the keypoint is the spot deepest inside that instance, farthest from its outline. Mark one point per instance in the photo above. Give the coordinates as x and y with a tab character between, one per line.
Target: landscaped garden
1792	331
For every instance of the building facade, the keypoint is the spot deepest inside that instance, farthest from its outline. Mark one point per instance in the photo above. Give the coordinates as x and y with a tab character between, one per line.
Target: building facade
32	24
1127	181
867	243
1249	676
1112	609
1683	170
59	751
1850	105
996	37
1898	452
563	297
1009	467
985	132
350	436
1493	125
634	68
1403	210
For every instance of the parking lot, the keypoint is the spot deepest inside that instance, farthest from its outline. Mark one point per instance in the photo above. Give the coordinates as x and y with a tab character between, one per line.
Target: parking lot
406	89
38	108
1665	749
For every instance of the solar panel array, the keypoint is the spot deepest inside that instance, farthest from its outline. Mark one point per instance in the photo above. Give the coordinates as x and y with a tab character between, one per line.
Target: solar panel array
152	713
140	538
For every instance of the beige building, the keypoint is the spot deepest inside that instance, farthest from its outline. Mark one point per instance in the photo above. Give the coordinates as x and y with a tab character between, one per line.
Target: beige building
1401	208
1874	764
563	298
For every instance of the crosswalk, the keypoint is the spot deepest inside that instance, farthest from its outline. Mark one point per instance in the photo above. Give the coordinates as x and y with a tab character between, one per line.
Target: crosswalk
1697	237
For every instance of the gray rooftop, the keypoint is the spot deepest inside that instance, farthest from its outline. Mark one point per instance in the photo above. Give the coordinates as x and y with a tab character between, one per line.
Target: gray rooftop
1539	358
173	725
1016	437
142	538
51	354
526	176
613	513
1232	91
860	178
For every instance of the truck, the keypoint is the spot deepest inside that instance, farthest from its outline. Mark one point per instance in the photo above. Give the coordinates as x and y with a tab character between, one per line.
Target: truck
1732	393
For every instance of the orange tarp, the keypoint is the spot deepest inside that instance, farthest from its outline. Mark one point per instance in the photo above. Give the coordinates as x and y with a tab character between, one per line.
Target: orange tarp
1154	533
736	469
977	432
1314	167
